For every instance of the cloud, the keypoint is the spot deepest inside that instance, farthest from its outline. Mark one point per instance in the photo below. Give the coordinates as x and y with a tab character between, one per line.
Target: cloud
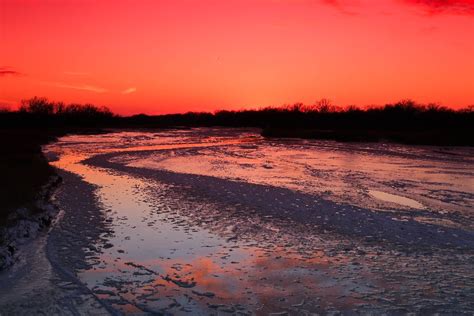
8	71
129	90
432	7
84	87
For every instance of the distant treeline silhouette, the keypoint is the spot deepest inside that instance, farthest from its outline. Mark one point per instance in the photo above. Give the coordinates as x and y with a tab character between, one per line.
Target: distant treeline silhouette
37	121
40	112
404	121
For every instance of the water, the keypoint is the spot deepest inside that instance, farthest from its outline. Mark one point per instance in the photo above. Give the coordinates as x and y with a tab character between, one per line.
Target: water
387	197
172	251
437	179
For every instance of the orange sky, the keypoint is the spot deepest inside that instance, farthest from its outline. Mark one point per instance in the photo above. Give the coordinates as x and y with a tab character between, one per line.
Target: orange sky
180	55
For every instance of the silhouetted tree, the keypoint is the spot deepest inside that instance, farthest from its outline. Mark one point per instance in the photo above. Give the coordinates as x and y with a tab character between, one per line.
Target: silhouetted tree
37	105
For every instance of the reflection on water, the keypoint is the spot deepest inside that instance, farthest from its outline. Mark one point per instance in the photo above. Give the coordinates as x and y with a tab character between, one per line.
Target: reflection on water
154	261
433	179
158	260
396	199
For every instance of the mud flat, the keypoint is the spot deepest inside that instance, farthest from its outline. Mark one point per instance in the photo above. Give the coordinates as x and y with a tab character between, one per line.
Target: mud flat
210	221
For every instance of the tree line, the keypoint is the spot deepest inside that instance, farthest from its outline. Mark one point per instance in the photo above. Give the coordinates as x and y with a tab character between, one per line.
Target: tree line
405	115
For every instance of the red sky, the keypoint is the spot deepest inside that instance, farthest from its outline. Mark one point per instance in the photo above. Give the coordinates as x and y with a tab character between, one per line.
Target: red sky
181	55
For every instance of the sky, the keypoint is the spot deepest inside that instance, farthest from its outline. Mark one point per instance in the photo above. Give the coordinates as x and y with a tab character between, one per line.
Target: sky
173	56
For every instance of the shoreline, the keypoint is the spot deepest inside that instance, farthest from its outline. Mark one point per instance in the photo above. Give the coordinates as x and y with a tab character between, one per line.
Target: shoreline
26	223
439	137
40	281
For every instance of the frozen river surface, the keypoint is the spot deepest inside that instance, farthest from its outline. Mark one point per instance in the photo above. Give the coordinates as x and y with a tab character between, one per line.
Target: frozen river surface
222	221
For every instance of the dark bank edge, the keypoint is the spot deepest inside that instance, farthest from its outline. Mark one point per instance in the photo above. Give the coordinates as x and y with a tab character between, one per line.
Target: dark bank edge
27	208
25	223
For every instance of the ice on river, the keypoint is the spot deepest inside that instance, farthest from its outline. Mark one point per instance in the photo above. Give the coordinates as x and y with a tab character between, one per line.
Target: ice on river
223	221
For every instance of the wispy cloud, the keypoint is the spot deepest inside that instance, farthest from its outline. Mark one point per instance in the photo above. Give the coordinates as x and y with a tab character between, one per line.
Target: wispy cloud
432	7
84	87
129	90
8	71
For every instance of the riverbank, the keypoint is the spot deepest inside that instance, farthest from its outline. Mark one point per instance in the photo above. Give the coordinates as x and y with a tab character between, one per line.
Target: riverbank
23	167
433	137
28	182
25	223
43	279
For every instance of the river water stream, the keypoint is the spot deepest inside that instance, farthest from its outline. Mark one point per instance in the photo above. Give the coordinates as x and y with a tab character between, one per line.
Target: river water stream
185	236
